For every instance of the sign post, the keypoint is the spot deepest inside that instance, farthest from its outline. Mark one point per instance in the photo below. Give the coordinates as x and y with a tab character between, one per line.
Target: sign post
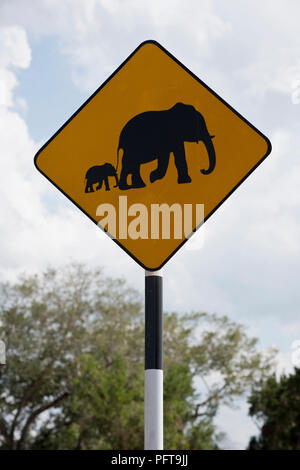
129	159
153	406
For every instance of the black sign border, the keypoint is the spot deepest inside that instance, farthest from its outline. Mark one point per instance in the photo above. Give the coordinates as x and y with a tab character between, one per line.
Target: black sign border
269	148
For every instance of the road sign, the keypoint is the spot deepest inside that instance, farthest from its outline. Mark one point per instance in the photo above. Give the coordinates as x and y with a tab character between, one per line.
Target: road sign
129	159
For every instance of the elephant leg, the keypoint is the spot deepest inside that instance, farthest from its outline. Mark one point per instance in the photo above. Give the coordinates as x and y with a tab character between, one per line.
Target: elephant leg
106	183
130	166
163	162
99	184
137	181
123	179
125	171
89	187
180	162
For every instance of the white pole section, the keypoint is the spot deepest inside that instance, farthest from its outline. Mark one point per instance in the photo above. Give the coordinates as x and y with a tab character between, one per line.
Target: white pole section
154	432
153	361
2	353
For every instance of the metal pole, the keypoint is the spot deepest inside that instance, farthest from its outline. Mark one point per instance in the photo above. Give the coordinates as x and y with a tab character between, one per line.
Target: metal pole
153	361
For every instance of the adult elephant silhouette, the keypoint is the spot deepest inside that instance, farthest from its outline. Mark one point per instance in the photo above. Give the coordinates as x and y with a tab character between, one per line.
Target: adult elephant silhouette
154	135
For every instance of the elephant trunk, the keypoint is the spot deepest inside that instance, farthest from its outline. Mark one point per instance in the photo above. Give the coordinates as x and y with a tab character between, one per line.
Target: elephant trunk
211	154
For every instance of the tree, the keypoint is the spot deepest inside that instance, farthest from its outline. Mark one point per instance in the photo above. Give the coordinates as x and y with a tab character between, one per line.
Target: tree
276	406
75	359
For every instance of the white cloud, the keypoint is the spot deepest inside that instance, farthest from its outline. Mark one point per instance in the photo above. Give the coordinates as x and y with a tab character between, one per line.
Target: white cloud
258	42
237	425
268	35
14	48
8	82
97	34
14	53
32	235
285	364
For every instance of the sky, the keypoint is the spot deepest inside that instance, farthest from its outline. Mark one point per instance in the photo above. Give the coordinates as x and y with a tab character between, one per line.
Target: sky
55	53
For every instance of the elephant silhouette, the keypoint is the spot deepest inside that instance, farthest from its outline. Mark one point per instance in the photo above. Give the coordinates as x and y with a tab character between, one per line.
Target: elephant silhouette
154	135
98	174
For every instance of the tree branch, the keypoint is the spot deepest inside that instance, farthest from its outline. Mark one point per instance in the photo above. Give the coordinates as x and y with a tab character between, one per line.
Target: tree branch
4	433
35	384
38	411
28	393
207	401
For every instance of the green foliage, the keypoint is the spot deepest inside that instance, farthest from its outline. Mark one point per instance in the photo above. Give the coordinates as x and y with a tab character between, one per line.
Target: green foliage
276	407
75	366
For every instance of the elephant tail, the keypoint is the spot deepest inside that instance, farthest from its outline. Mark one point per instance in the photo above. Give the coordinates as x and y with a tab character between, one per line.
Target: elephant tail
117	159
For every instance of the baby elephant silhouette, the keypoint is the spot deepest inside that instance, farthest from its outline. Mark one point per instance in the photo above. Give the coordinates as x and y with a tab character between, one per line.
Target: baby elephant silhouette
98	174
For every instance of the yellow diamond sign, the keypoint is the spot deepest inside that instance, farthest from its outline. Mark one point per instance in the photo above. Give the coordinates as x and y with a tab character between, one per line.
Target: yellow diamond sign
147	150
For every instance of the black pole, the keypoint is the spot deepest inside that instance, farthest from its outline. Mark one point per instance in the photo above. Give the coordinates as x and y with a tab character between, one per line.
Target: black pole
153	322
153	361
